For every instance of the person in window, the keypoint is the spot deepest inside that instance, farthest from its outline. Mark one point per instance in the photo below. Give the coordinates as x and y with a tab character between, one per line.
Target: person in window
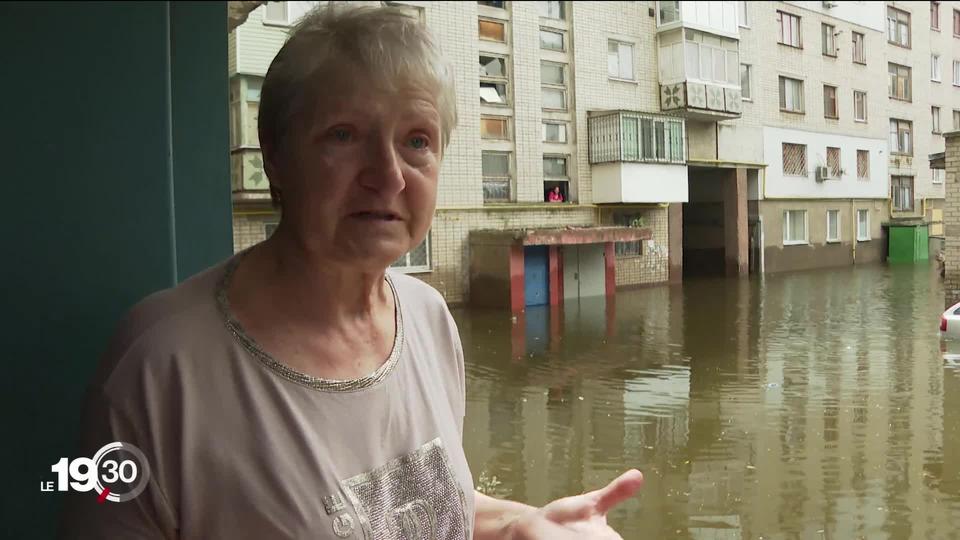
299	389
555	195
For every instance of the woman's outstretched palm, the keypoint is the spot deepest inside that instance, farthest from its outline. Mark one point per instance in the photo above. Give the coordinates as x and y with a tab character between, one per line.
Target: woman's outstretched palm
579	516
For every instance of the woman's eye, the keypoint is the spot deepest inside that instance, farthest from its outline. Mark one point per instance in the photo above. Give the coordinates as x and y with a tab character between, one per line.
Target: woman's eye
340	134
419	142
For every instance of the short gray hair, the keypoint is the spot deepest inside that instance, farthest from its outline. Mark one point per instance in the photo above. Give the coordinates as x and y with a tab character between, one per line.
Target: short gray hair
392	48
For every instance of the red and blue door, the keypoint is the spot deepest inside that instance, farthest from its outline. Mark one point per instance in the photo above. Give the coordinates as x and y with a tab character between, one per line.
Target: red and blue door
536	275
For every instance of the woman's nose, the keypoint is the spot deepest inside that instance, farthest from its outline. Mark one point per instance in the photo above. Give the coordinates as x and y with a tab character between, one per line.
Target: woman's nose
383	172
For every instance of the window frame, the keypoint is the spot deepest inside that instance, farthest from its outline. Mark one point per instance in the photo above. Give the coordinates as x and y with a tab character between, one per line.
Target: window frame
743	22
566	167
627	250
897	22
895	127
838	238
866	222
935	120
410	269
561	33
787	227
832	39
895	193
865	178
783	163
956	23
956	72
780	32
545	123
491	79
936	67
267	21
555	87
836	102
935	178
633	60
506	127
545	4
748	95
509	178
956	119
782	88
893	86
836	171
935	15
503	24
866	114
862	49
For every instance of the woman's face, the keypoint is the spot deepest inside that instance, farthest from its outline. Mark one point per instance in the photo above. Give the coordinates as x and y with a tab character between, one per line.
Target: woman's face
362	187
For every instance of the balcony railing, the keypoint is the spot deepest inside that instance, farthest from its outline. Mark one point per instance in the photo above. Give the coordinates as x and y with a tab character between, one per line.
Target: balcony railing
636	137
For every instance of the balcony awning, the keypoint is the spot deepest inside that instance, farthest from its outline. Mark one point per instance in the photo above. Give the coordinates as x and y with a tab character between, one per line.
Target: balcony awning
938	160
561	236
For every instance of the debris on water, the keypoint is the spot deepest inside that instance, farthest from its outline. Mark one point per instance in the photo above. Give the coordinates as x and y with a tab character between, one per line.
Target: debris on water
773	385
580	398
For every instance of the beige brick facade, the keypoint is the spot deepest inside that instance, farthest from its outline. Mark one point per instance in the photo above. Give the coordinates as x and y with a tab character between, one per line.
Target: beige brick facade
951	219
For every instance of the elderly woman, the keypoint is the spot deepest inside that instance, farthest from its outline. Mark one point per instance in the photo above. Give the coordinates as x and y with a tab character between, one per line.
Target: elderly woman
298	390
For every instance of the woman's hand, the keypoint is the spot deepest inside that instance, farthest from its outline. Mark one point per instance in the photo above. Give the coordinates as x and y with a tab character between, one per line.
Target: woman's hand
579	516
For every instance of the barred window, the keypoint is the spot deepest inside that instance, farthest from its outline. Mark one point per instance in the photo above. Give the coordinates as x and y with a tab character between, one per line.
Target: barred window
627	249
863	164
415	260
794	159
833	161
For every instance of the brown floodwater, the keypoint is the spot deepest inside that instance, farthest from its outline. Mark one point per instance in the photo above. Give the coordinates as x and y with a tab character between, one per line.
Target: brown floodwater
808	405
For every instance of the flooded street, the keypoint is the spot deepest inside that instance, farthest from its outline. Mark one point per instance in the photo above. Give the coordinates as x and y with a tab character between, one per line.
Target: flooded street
806	405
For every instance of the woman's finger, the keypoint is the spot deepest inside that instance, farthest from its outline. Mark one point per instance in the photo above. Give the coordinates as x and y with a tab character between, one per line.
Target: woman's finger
619	490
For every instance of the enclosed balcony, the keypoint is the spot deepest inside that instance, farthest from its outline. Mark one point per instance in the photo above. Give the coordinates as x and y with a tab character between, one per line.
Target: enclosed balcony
699	59
637	157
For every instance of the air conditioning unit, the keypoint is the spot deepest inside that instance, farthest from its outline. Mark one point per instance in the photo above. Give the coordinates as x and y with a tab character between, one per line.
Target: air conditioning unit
828	5
822	173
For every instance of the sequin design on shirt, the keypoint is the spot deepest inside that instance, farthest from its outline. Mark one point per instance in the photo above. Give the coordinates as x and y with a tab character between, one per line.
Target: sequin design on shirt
413	497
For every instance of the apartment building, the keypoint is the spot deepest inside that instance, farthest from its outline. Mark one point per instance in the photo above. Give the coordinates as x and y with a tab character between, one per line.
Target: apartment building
683	138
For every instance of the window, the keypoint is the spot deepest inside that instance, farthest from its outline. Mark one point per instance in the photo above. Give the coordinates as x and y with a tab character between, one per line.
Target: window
277	13
711	58
794	227
791	94
788	29
859	48
935	67
415	260
902	193
833	161
493	80
555	167
900	83
794	159
669	11
937	175
628	249
859	106
863	225
830	109
620	60
898	27
956	72
492	30
863	164
554	132
828	33
833	225
552	10
495	4
956	119
551	40
496	176
553	89
742	14
493	127
935	15
935	119
646	138
901	137
745	76
956	23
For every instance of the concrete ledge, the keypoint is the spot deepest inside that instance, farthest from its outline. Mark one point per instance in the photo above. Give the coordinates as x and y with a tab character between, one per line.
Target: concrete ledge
564	236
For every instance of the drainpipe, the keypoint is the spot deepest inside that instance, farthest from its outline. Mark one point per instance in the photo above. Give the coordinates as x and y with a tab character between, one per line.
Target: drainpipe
856	226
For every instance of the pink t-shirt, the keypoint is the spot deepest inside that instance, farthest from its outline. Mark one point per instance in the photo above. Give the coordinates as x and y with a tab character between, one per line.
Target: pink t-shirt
242	446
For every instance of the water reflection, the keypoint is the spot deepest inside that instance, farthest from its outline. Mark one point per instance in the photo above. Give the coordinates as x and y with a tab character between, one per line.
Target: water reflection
811	405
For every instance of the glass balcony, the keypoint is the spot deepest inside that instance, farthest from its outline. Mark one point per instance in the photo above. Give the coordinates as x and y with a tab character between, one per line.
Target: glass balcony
699	74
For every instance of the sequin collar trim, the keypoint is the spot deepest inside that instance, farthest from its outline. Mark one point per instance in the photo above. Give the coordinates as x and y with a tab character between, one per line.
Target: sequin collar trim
285	371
